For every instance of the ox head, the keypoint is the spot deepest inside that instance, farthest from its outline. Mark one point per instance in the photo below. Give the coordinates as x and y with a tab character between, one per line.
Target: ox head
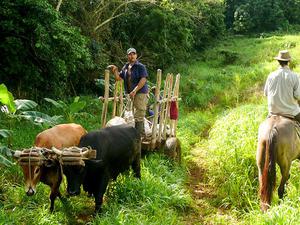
32	164
82	175
75	175
74	161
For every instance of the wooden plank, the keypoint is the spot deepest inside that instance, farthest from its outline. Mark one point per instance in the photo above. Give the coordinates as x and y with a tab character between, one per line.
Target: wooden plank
121	102
162	109
115	100
167	116
176	97
173	123
156	107
106	95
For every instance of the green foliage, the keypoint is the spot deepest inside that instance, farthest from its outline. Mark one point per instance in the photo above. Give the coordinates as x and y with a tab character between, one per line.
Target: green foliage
166	32
6	98
69	111
261	15
37	44
4	151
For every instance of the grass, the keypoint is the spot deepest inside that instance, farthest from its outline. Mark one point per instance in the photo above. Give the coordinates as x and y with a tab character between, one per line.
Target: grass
156	199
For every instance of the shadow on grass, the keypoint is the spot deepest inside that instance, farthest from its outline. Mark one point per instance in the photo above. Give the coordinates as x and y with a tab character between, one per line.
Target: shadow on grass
73	216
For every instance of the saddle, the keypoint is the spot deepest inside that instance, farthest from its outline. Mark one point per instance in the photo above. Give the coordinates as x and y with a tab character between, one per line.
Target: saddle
296	123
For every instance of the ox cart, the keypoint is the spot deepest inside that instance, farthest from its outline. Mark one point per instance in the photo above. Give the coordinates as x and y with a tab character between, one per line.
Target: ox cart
160	129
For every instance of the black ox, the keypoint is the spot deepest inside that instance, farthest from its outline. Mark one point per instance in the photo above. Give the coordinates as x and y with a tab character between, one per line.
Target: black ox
117	148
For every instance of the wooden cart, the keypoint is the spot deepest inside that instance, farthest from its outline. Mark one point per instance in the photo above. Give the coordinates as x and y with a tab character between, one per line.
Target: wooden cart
165	100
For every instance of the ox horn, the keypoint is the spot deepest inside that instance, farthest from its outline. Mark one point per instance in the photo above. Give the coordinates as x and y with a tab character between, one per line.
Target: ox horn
56	151
17	154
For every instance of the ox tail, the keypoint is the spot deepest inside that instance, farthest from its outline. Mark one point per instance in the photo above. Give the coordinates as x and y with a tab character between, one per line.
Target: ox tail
268	179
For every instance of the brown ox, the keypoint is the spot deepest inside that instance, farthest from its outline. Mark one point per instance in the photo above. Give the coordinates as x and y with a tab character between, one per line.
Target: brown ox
278	142
49	172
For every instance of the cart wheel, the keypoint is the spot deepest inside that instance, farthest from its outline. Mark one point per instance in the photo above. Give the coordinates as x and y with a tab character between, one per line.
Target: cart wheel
172	149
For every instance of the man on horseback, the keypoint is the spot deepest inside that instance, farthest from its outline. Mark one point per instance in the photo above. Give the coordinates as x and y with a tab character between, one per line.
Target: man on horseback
283	89
278	140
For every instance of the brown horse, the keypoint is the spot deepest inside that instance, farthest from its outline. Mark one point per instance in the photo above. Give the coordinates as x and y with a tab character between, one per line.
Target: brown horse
278	141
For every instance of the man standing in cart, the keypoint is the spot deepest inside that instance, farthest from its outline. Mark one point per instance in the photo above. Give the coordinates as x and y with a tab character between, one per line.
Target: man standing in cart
135	76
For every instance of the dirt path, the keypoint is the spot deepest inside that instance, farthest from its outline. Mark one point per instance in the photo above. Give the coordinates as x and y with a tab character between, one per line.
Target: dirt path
201	191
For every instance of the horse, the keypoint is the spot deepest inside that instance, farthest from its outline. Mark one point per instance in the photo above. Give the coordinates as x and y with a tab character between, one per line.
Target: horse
278	142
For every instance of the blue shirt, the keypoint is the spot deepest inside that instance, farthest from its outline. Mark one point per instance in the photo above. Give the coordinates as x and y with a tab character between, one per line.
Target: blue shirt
138	71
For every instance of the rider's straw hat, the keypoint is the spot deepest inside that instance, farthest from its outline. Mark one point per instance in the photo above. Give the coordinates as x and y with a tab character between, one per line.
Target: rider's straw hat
283	55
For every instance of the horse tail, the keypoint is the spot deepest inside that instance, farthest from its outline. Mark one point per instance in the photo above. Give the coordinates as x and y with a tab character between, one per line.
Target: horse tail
268	179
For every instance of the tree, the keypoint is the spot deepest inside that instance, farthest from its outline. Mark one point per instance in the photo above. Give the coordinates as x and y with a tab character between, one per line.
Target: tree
39	49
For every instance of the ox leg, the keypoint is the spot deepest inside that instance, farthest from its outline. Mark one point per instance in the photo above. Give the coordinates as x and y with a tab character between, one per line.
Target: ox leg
53	195
99	193
285	170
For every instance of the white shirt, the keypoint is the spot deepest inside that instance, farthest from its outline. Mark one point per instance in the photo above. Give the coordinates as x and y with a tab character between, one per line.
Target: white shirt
283	90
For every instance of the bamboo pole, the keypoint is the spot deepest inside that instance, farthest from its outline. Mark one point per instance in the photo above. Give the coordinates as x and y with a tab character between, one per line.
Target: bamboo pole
167	118
115	99
175	98
166	106
162	114
106	95
156	106
121	102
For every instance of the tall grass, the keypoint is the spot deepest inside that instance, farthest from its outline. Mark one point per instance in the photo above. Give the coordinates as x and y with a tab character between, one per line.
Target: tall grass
158	198
233	71
228	153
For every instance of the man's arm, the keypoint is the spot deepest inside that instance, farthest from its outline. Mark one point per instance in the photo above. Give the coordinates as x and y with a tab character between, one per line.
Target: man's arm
296	87
266	87
141	84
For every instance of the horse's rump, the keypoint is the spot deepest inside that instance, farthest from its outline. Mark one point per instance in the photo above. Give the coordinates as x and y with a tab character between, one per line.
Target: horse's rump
278	141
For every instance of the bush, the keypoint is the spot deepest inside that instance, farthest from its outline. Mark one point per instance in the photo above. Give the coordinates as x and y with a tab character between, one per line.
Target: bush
37	44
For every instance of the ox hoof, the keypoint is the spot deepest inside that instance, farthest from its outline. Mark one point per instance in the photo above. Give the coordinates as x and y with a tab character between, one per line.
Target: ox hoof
98	210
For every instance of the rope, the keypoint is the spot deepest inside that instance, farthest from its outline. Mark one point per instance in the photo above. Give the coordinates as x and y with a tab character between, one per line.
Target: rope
129	104
60	161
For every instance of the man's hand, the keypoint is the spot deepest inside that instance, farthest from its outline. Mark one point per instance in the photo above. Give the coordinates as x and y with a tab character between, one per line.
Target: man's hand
113	68
133	93
115	71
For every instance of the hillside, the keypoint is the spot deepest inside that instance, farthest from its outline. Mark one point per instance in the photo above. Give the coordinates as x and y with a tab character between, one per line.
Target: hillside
223	135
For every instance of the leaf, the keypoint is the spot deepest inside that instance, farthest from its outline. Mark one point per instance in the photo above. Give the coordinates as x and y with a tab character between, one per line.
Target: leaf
5	151
41	118
25	104
5	133
76	99
7	98
3	160
55	103
77	106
